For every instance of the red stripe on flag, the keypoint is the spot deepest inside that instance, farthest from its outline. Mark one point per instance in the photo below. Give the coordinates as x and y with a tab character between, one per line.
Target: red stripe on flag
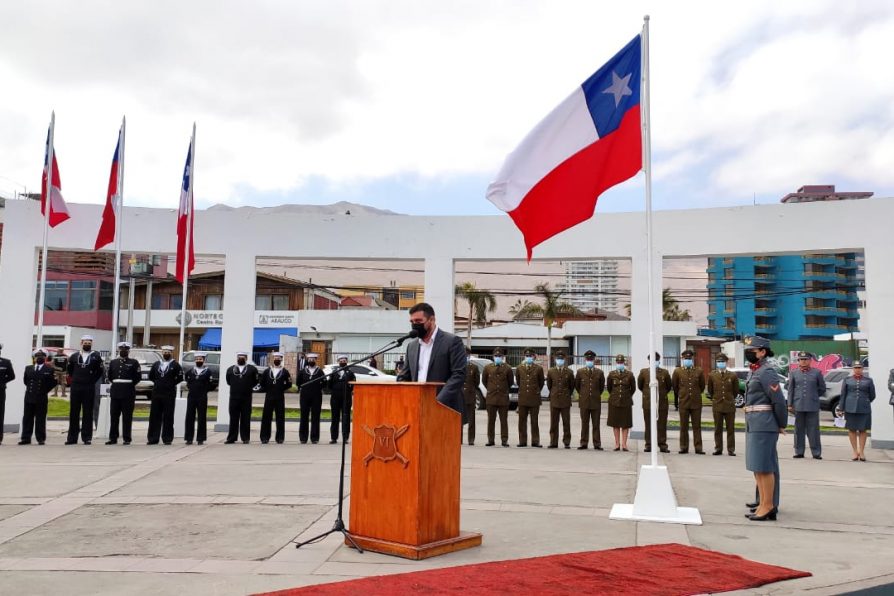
106	234
567	195
181	248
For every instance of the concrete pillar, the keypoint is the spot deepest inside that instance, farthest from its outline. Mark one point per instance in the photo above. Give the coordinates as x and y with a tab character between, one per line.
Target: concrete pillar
639	327
439	288
18	278
239	319
879	295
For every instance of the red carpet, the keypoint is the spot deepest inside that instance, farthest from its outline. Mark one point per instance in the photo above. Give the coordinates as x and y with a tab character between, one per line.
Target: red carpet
664	569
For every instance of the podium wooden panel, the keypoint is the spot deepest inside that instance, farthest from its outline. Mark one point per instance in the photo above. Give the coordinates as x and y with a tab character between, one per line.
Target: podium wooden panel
405	472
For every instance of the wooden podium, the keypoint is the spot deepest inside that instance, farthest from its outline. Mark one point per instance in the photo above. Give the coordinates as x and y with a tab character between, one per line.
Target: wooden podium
405	472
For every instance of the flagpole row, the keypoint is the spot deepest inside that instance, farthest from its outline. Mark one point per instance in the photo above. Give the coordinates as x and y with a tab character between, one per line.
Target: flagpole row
119	225
47	204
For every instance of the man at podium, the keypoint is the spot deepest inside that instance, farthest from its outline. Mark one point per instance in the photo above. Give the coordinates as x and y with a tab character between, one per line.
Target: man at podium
435	356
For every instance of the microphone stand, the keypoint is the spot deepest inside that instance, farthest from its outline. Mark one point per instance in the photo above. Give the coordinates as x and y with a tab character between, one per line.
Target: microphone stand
339	525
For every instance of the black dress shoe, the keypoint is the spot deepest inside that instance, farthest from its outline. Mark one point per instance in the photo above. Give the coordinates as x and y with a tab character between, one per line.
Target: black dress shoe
71	442
552	446
166	442
314	442
189	442
769	516
245	442
647	450
522	445
24	442
128	443
489	444
279	442
718	452
40	442
665	450
537	445
471	442
732	454
801	456
598	448
505	444
616	449
752	505
264	442
200	442
699	452
817	457
111	442
567	446
333	441
683	451
582	447
229	442
752	509
88	442
624	449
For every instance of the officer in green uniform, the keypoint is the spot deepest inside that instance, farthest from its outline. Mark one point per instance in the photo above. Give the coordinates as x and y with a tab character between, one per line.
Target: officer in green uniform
664	387
621	386
689	383
530	379
722	389
590	383
497	379
560	381
470	396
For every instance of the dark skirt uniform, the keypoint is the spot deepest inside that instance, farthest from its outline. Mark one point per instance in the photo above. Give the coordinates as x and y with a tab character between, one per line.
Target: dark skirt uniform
621	386
275	387
164	397
341	401
664	387
857	395
198	384
560	381
39	380
722	389
242	383
530	379
497	379
85	370
470	399
590	383
124	374
311	402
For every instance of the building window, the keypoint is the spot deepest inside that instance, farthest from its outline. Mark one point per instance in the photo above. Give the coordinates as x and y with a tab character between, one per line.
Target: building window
56	297
731	305
159	301
408	294
214	302
176	301
280	302
83	295
106	295
728	274
272	302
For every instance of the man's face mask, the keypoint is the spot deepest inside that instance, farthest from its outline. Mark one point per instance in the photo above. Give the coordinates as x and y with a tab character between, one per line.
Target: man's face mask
40	359
311	362
87	346
124	353
591	363
529	360
498	360
240	361
420	329
166	355
560	362
687	362
277	362
199	363
344	363
620	366
721	365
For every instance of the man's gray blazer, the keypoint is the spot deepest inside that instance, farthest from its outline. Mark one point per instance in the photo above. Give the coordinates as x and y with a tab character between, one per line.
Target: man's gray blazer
447	365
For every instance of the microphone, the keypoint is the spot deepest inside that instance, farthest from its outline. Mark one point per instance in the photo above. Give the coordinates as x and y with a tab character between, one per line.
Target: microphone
413	333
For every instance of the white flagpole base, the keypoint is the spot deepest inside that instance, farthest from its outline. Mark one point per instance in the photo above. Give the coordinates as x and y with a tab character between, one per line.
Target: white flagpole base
179	417
655	501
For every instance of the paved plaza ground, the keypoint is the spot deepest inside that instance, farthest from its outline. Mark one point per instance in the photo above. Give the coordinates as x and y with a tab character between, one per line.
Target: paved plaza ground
221	519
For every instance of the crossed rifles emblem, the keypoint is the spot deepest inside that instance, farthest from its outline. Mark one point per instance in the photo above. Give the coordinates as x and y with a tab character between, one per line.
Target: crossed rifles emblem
385	438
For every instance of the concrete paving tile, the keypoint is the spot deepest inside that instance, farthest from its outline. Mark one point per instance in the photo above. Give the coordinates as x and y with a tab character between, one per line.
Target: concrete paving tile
525	508
362	569
480	505
220	567
656	533
573	511
163	565
285	568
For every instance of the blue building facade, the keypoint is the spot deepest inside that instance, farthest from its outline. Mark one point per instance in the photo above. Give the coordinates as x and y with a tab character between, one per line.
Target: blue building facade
811	296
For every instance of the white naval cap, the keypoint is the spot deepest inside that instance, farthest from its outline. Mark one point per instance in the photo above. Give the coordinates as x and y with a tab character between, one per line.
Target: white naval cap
242	354
167	348
275	354
341	357
86	338
313	355
201	354
123	344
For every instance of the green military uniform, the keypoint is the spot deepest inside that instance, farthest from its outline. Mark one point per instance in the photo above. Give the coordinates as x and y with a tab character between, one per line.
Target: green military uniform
470	399
621	386
722	388
664	387
590	383
560	381
497	379
689	383
530	379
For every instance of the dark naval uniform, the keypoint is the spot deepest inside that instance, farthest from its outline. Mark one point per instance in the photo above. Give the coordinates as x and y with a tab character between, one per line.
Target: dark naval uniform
470	400
165	376
621	386
39	380
85	370
664	387
124	374
805	387
198	384
765	414
560	381
242	382
341	402
7	374
722	389
689	383
856	400
497	379
311	402
275	386
530	379
590	383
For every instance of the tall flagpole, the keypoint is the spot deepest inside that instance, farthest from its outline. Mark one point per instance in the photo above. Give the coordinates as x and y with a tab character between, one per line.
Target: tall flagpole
650	249
189	220
119	224
41	302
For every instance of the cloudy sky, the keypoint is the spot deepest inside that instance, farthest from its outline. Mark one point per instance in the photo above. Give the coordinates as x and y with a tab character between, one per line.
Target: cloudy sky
412	105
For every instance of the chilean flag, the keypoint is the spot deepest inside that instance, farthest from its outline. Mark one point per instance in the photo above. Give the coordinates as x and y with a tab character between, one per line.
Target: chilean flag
106	232
185	221
58	208
589	143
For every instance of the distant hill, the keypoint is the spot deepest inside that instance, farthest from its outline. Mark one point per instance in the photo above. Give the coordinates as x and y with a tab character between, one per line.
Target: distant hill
340	208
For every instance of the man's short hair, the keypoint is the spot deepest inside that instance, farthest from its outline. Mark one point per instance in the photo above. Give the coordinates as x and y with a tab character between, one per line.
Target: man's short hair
425	307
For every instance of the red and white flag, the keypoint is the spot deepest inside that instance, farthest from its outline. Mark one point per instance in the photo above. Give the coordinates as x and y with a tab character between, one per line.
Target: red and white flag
185	220
58	208
106	234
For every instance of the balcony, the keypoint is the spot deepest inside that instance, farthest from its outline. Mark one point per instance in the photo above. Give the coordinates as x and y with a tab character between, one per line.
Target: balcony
765	328
764	276
824	311
820	259
821	275
765	312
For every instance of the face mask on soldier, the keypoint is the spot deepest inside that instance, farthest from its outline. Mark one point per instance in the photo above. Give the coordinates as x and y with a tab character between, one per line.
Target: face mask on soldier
123	353
166	356
529	360
199	363
721	365
751	356
87	347
591	363
40	359
277	362
240	361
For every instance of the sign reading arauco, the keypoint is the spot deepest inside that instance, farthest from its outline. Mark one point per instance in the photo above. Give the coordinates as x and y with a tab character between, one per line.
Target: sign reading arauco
264	318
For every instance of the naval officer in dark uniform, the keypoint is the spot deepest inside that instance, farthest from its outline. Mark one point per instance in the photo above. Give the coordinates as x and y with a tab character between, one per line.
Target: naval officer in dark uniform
275	381
124	374
7	374
85	369
242	378
198	384
341	400
765	420
40	378
310	382
165	375
805	386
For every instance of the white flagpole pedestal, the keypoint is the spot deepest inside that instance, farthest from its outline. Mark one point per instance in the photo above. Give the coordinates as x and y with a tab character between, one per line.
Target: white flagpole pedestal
104	420
655	501
179	417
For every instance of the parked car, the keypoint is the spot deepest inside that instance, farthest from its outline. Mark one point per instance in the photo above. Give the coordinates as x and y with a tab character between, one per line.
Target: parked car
212	361
146	357
834	380
364	373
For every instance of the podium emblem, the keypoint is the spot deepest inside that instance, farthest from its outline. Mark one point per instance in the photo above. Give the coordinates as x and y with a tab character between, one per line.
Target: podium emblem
384	448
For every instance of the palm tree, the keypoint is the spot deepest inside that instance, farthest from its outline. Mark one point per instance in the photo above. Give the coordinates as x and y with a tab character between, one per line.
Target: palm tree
520	307
480	302
670	308
550	309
